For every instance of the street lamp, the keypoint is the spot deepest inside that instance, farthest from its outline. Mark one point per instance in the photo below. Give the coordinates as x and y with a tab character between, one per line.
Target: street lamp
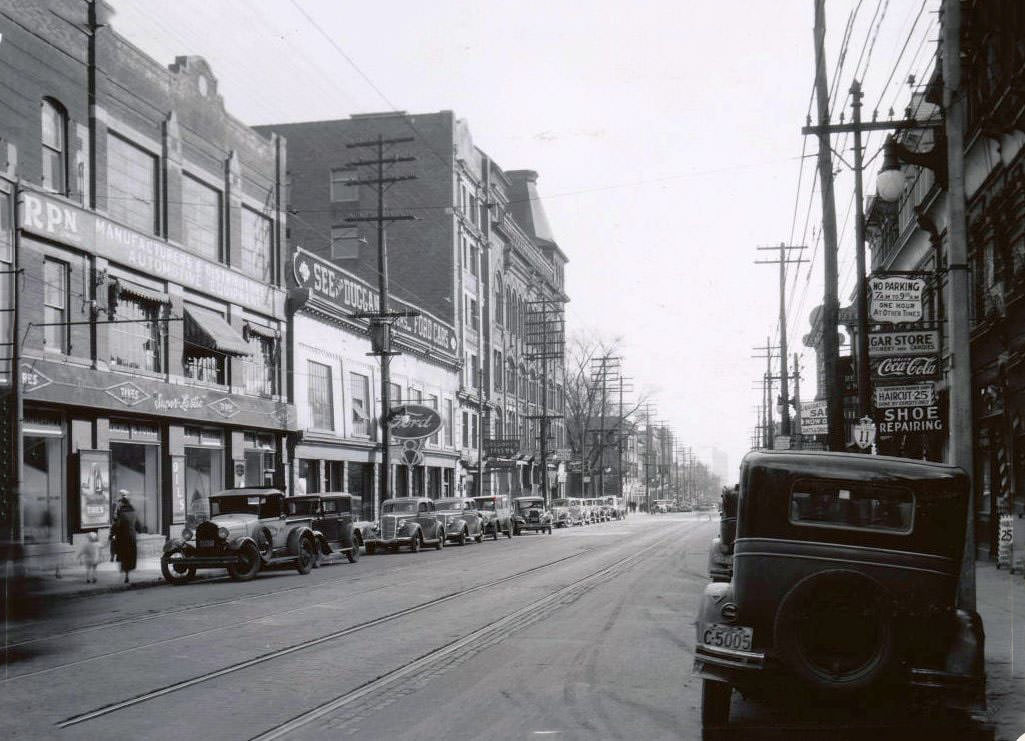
890	180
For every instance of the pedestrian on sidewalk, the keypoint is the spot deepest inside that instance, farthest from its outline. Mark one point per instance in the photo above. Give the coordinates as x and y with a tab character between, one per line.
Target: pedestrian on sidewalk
89	554
122	534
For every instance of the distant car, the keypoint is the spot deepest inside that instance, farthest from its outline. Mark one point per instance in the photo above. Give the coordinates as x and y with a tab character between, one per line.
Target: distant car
497	513
720	555
411	521
566	512
529	513
461	520
248	529
844	585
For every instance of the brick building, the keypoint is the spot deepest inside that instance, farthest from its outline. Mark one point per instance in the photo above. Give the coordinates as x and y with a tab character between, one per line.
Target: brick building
147	227
478	252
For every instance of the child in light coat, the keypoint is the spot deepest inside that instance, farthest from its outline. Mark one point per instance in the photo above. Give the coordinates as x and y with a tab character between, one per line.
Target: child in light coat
89	554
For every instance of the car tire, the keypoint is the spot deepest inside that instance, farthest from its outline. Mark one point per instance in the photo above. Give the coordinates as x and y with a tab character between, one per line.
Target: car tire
371	549
441	541
480	536
516	530
715	702
415	544
173	573
265	545
494	531
248	565
353	553
461	540
317	554
509	533
306	556
831	617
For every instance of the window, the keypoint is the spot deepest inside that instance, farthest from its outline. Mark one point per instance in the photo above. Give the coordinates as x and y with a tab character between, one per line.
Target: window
257	246
320	396
340	188
416	395
201	212
345	243
54	139
474	212
510	379
432	402
260	374
466	429
510	311
473	430
499	301
474	314
137	340
131	185
359	391
394	394
448	422
202	361
497	366
474	371
55	302
474	259
499	426
851	505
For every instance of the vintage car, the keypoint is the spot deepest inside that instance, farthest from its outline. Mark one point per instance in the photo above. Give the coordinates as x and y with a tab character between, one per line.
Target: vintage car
566	512
461	520
411	521
249	529
332	523
844	585
615	508
720	555
497	514
529	513
587	511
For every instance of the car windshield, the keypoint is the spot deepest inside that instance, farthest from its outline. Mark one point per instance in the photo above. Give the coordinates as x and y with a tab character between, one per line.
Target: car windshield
522	506
450	504
234	505
560	502
487	504
404	506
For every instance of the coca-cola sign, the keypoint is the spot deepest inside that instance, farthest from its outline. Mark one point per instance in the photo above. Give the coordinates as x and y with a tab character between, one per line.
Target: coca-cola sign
904	367
413	421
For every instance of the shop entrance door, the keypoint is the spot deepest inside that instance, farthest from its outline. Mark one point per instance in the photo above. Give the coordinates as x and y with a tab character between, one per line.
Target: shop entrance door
42	498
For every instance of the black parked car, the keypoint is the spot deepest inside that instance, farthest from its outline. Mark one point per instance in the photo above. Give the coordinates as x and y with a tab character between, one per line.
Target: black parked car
720	555
845	574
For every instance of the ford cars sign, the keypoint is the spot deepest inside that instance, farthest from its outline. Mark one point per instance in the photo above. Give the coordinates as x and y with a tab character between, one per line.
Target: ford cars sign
413	421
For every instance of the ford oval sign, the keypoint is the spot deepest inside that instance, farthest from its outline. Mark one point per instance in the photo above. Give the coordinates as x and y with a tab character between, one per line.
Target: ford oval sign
413	421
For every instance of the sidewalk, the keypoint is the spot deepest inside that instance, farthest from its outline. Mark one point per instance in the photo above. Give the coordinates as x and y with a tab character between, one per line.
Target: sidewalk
1001	603
108	579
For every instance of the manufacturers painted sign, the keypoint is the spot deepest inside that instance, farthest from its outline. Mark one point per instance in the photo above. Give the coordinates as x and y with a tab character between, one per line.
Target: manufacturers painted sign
895	299
918	342
813	418
905	368
349	294
905	395
68	224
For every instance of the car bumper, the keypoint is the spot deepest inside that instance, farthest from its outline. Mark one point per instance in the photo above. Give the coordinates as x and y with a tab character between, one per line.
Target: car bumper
209	561
399	540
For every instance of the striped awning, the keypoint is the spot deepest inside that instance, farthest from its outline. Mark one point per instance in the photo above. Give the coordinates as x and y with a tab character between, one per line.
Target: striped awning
213	332
261	331
142	294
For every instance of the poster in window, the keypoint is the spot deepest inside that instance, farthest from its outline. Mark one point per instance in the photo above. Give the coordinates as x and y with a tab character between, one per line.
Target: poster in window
94	488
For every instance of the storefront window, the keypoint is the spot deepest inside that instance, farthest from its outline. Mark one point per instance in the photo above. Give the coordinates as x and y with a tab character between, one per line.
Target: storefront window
43	513
334	473
135	470
359	481
308	477
204	470
419	482
260	459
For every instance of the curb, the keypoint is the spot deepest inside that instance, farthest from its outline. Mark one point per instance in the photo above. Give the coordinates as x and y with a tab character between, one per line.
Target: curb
90	589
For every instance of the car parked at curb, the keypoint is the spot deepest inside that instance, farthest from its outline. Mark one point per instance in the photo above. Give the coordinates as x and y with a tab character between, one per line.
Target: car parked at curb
410	521
249	529
720	555
497	512
461	520
332	523
843	589
566	512
530	513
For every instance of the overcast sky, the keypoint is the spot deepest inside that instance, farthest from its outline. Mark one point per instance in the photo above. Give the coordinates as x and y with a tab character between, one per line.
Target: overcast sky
666	135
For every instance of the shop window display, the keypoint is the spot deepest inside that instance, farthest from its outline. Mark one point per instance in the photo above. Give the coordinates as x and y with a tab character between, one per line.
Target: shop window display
135	469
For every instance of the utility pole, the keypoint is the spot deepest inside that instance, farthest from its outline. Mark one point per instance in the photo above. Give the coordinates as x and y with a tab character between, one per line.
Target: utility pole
546	341
783	260
769	349
861	295
797	395
381	322
603	370
830	305
958	284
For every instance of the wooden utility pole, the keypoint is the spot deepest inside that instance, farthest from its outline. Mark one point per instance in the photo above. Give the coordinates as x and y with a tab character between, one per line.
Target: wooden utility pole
783	260
830	305
797	395
381	322
767	378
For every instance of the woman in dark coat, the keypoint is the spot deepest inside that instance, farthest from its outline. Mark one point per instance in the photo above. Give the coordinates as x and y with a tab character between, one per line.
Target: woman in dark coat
122	533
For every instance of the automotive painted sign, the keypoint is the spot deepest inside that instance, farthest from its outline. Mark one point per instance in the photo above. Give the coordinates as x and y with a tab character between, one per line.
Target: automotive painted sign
905	367
413	421
904	420
918	342
905	395
813	418
69	224
895	299
349	294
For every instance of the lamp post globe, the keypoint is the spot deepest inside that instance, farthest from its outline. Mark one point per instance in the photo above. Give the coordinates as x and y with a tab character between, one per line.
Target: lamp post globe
890	184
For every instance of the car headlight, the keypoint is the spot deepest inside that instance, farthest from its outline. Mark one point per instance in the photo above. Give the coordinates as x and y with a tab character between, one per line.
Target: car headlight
222	533
186	534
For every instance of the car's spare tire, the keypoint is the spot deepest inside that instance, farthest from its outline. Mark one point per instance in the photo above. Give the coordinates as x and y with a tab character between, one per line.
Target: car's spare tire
834	629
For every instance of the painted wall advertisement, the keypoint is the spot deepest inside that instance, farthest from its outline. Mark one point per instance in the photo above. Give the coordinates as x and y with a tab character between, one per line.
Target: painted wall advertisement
94	488
895	299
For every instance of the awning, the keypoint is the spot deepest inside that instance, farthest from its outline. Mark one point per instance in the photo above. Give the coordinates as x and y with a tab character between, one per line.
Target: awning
260	331
215	333
142	294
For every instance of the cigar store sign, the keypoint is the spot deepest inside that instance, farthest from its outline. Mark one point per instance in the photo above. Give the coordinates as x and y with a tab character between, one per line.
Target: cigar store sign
917	342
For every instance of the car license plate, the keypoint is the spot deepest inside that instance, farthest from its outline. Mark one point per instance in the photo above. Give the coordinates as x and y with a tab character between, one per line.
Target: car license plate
728	636
206	544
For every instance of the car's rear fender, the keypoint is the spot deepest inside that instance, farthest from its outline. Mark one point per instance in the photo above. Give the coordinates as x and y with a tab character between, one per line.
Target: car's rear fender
710	607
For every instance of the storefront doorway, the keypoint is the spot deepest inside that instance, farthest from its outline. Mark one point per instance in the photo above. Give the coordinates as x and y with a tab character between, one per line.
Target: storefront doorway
135	471
204	469
44	518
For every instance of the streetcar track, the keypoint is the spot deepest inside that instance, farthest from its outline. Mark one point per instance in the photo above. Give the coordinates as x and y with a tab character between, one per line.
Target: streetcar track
473	639
279	653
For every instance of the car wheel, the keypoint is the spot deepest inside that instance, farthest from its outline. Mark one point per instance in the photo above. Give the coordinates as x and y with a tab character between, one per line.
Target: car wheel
304	559
461	540
508	533
353	553
371	549
441	541
494	531
715	702
317	554
248	564
414	546
175	573
834	629
516	530
480	536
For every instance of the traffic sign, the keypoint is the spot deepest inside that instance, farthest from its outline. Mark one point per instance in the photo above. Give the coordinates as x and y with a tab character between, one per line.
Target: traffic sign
865	433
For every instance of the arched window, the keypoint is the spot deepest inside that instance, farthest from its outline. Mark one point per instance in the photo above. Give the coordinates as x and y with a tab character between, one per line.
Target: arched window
499	427
510	312
54	140
523	382
499	300
510	378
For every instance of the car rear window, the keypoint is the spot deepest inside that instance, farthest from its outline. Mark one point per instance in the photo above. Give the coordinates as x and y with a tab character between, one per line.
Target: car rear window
330	506
852	505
